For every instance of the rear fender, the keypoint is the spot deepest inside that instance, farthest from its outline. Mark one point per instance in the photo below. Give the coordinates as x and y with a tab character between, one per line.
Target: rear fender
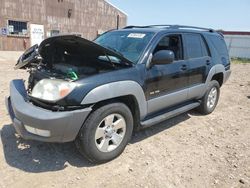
218	68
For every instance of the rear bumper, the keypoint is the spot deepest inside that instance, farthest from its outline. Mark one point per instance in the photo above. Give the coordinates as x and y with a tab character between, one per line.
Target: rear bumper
61	126
227	75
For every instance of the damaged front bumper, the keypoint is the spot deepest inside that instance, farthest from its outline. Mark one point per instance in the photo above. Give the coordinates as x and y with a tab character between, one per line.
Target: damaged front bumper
35	123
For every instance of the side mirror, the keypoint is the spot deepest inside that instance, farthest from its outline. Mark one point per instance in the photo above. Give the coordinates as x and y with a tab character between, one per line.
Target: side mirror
163	57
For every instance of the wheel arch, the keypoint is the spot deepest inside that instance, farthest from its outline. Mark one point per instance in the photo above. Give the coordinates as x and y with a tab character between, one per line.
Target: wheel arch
128	92
130	101
217	72
218	77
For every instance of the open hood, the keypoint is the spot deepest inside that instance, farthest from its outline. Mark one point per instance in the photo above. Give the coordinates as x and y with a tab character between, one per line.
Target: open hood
51	48
29	57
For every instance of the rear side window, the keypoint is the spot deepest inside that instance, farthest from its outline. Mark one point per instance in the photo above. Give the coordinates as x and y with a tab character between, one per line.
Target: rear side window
195	46
219	44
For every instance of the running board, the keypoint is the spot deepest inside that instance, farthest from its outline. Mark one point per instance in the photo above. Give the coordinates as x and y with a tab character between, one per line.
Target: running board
169	114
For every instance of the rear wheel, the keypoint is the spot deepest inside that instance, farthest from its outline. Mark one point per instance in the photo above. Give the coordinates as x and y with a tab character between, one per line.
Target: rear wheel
105	133
210	99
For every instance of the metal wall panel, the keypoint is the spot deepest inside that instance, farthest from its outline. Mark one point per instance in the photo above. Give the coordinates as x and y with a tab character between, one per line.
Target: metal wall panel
87	17
238	45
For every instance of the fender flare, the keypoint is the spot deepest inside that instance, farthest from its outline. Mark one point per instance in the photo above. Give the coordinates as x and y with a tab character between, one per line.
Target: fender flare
218	68
118	89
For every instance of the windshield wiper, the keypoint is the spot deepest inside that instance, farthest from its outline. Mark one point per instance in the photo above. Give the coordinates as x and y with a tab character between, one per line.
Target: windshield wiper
124	59
115	50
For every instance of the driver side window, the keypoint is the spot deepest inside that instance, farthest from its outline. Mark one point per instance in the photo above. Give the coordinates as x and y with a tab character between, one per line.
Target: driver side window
173	43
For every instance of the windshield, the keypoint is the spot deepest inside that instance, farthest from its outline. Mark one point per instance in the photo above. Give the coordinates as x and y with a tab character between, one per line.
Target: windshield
126	43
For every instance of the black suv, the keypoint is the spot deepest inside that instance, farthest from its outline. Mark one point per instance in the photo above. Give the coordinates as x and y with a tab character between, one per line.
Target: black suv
97	93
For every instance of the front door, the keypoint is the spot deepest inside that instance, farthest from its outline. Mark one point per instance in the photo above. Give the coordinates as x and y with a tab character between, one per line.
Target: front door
167	85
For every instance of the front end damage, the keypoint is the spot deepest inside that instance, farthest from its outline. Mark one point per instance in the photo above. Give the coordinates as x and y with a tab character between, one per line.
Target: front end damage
32	122
55	68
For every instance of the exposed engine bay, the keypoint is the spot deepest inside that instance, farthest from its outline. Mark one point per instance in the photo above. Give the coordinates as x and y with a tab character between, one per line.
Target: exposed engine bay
59	71
69	58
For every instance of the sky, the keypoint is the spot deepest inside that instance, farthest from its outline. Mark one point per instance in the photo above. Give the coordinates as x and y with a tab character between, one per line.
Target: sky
217	14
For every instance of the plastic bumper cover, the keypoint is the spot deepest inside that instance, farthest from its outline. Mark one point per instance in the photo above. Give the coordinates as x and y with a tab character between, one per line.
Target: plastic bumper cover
61	126
227	75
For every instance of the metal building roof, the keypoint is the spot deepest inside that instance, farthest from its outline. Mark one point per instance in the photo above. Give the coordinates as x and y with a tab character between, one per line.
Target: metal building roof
235	32
116	7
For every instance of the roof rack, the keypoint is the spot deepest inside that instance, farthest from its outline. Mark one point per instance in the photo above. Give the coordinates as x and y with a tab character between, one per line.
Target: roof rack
134	26
171	27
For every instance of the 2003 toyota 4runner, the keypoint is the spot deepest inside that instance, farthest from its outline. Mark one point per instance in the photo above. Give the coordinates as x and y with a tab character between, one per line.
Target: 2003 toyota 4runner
97	93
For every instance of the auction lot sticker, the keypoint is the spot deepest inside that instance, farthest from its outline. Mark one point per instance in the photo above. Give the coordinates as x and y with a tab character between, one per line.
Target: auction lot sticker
136	35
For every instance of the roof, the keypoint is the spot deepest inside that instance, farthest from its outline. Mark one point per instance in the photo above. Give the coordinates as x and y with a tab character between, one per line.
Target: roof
235	32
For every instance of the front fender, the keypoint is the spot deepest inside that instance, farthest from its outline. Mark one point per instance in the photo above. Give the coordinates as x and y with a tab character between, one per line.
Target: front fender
118	89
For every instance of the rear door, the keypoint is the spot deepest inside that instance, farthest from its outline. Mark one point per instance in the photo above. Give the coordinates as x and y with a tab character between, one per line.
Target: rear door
199	61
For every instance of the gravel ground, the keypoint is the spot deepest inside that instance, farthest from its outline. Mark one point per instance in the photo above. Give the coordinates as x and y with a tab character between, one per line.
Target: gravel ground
187	151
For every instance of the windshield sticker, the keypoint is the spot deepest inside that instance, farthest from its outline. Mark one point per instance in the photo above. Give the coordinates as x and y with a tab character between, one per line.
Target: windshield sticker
136	35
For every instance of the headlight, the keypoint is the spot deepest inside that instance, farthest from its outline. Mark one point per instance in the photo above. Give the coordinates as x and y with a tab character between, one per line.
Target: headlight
52	90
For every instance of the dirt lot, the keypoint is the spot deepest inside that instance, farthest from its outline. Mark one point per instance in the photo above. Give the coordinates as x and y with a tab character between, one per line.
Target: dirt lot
187	151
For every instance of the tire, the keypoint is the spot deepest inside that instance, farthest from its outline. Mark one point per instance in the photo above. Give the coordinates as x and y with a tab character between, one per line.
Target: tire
107	122
210	99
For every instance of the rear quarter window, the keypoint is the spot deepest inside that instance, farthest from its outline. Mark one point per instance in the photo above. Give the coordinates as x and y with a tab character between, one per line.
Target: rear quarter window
219	44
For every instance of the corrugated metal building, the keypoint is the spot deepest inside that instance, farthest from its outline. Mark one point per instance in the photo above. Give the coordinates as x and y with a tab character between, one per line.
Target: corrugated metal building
27	22
238	43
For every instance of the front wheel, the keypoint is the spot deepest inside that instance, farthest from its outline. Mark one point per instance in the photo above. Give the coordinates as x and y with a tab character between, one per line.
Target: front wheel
210	99
105	133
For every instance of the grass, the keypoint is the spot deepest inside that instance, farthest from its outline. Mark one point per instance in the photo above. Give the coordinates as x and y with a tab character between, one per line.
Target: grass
240	60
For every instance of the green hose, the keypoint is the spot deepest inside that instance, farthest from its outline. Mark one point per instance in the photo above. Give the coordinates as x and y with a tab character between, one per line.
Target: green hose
72	74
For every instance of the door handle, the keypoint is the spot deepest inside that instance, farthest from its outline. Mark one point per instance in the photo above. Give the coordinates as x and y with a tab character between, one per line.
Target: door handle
208	62
184	67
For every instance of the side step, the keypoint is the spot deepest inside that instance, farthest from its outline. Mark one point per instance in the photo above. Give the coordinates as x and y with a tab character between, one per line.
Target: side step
169	114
